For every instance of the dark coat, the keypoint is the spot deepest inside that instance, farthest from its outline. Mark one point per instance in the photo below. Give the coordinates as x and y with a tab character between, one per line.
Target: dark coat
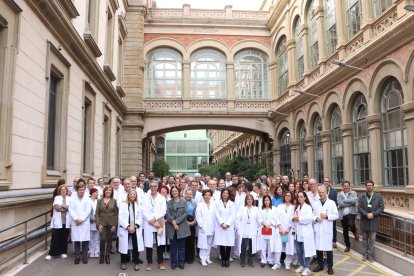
377	207
333	195
179	214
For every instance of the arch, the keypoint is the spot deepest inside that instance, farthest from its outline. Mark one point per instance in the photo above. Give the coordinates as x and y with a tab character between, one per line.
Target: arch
331	100
295	17
279	130
385	69
352	90
282	31
305	7
164	42
409	76
251	44
298	117
209	43
314	109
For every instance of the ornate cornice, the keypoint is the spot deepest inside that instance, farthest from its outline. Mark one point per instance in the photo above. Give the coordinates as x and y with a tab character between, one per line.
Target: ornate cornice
91	43
108	72
69	7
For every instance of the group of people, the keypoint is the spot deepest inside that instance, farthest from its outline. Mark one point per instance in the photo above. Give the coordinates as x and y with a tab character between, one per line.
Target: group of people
278	221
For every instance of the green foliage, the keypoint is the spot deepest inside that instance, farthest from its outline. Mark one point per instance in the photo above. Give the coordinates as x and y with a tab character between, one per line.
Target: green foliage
160	168
211	170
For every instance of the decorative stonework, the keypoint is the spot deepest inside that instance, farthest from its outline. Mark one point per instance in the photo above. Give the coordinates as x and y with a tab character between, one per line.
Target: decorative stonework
170	105
208	105
396	201
196	13
282	99
252	106
356	43
314	75
329	65
385	22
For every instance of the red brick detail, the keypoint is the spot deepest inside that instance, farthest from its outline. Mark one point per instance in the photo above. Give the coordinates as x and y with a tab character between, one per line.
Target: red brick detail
229	40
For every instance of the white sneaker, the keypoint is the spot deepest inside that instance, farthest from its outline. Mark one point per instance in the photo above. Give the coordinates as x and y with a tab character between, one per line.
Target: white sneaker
231	259
48	257
306	272
276	266
203	263
287	267
300	269
166	255
63	256
209	261
219	257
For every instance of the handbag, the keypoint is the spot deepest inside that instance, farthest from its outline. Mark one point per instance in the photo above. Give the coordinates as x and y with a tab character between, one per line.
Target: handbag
284	238
266	231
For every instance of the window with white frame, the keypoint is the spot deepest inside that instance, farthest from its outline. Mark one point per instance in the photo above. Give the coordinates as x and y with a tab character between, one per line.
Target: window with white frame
353	17
318	149
282	66
380	6
330	25
337	160
208	74
313	35
303	153
394	135
360	137
285	156
300	62
251	75
164	74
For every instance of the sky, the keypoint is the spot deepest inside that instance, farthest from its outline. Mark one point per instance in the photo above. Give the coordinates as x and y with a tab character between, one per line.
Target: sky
211	4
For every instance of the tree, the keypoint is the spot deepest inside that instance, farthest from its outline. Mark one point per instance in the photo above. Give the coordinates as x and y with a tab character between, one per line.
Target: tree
160	168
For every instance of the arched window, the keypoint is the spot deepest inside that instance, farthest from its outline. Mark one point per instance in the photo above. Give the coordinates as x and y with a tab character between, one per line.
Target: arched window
300	63
303	153
313	35
318	149
164	74
337	152
285	165
394	135
353	17
380	6
282	65
251	75
360	137
160	147
330	23
208	74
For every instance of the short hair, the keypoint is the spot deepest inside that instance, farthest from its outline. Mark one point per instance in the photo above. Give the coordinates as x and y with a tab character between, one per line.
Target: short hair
141	173
267	196
91	178
369	181
207	191
81	184
106	188
61	182
346	182
305	174
197	175
247	197
59	189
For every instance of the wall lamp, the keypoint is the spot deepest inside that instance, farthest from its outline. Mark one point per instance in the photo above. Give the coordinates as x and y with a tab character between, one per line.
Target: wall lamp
304	93
343	64
409	7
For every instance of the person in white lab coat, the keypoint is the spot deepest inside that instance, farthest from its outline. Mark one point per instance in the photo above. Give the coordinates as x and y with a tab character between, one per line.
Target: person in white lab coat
60	224
247	226
285	211
224	230
155	208
205	216
269	238
129	229
239	203
304	237
80	210
328	213
94	242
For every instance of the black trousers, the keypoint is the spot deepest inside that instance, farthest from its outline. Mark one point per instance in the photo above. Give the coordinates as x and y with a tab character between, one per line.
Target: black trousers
160	252
225	252
334	232
105	241
348	223
85	248
135	255
59	241
190	245
243	250
329	258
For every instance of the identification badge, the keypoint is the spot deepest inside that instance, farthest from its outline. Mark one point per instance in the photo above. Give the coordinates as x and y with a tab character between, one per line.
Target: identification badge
369	206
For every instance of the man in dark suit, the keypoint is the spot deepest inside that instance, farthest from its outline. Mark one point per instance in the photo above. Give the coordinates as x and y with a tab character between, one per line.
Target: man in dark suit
332	195
370	206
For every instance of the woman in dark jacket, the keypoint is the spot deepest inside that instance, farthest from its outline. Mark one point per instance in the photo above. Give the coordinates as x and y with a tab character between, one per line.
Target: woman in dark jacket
177	227
190	240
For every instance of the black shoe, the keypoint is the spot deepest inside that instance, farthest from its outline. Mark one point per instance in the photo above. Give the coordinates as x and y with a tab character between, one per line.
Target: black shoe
227	263
140	261
123	266
223	263
173	266
250	263
330	271
190	262
242	263
318	268
101	259
85	260
107	260
112	251
262	265
136	267
181	266
77	260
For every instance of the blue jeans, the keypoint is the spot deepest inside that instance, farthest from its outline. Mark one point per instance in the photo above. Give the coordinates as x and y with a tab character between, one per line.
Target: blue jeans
177	253
300	250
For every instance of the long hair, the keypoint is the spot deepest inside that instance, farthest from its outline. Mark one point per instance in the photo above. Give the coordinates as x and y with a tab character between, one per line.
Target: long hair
306	200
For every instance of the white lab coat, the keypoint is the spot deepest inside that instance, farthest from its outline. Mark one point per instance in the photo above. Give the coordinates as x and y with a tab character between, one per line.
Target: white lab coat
123	197
123	223
304	229
80	208
56	221
285	217
154	208
270	216
227	215
324	230
205	217
245	229
313	199
216	196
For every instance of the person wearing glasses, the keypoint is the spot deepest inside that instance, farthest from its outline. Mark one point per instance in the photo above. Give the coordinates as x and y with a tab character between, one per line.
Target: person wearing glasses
155	209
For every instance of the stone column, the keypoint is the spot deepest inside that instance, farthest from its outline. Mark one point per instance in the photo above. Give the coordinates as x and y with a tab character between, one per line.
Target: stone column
340	28
276	161
306	52
294	156
326	147
367	19
291	47
230	85
347	152
374	129
320	21
132	124
311	156
273	80
186	84
408	109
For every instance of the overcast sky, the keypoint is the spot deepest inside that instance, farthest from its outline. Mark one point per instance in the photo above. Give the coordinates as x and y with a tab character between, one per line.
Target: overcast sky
211	4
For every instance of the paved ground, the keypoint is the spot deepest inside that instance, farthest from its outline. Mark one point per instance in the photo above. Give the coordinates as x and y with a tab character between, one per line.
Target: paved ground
344	264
